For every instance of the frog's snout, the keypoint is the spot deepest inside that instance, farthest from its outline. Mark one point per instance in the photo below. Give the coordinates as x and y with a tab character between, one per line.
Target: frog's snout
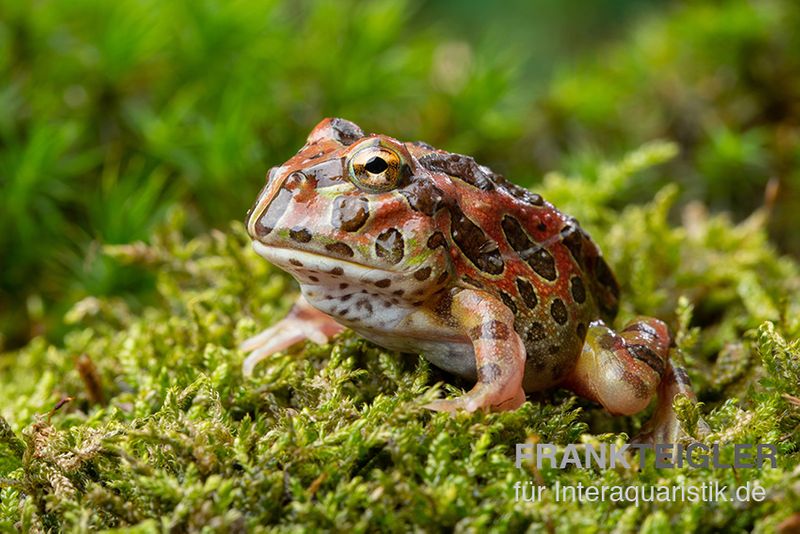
272	202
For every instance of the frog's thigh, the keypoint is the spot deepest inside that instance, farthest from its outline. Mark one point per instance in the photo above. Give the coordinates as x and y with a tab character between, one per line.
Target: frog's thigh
622	371
499	354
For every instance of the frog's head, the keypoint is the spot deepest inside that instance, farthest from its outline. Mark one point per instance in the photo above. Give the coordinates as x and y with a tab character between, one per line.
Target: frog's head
351	209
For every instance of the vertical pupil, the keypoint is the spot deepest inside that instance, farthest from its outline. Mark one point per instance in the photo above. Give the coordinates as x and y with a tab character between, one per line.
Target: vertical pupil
376	165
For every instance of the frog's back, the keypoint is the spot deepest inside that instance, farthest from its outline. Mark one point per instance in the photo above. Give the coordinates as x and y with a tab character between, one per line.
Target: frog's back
511	243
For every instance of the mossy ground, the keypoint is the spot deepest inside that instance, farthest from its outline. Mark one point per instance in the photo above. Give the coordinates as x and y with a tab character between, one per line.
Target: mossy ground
143	422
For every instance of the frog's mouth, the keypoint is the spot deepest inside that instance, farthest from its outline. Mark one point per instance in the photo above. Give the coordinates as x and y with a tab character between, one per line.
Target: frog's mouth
310	266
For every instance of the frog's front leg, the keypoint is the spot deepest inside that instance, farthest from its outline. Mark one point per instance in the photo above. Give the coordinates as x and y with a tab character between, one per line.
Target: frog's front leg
623	371
499	354
302	322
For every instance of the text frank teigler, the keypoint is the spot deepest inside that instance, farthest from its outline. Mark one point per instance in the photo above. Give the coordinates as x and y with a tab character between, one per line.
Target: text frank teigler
663	456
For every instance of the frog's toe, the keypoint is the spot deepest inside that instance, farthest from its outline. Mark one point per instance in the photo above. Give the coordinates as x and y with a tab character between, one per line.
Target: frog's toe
451	406
303	322
478	400
283	335
264	345
494	400
512	403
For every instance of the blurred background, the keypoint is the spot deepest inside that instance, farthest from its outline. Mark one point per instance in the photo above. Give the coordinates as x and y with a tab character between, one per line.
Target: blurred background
115	114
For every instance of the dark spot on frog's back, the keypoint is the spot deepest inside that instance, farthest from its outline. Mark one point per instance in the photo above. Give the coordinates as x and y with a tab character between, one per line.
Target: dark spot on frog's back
459	166
349	213
515	234
423	196
538	257
572	237
474	243
543	264
390	245
509	302
601	282
578	290
520	193
527	292
559	311
467	169
436	240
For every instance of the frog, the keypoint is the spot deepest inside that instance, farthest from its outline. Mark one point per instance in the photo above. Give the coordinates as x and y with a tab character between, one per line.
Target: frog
424	251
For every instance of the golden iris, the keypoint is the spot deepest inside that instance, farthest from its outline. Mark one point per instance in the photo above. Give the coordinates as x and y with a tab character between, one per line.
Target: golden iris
375	168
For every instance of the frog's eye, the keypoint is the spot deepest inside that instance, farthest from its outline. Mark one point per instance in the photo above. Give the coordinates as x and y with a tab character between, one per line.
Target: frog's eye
375	168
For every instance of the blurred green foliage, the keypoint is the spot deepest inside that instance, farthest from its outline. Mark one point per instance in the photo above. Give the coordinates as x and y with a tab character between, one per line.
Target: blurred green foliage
722	79
112	112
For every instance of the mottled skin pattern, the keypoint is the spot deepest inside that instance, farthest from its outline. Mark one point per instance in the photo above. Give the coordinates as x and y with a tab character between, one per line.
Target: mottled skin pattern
420	250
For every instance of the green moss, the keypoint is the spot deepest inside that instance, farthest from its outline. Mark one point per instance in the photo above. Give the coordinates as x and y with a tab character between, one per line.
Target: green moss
336	436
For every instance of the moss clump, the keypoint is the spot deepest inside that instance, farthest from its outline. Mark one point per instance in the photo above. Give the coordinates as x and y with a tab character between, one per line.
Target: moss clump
161	430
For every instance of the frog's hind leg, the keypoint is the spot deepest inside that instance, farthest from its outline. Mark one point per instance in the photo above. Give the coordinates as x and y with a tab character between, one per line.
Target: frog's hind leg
302	322
622	371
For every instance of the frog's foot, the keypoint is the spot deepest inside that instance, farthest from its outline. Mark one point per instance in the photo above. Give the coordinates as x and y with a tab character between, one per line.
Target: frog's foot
473	401
499	354
302	322
623	371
